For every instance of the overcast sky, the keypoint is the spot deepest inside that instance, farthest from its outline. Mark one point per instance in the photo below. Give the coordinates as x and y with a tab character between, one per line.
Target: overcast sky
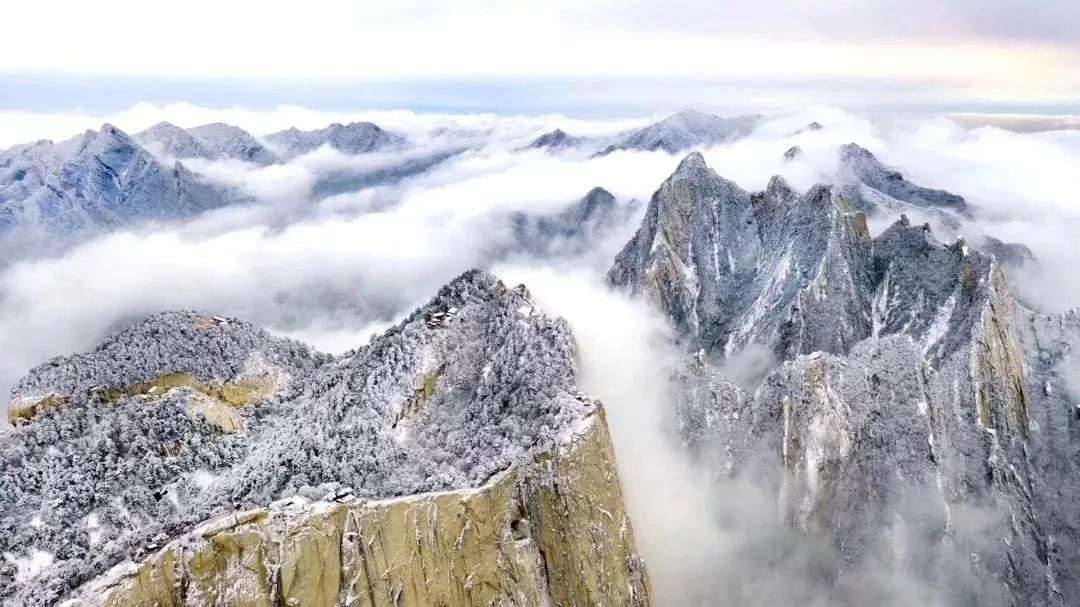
960	53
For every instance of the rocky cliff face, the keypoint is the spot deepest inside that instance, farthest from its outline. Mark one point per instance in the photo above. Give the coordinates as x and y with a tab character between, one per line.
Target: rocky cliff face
920	417
198	460
731	269
551	530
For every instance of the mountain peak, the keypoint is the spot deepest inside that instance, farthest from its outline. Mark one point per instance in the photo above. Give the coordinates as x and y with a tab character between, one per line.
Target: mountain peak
362	424
691	163
852	150
685	130
555	139
599	193
353	138
862	166
780	190
732	268
164	125
689	115
107	137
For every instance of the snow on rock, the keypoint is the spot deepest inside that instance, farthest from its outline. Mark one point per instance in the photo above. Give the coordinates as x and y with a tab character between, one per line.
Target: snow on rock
909	373
685	130
352	138
487	397
99	180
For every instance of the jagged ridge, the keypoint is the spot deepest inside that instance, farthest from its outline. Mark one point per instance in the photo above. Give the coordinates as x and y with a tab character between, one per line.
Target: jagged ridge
911	373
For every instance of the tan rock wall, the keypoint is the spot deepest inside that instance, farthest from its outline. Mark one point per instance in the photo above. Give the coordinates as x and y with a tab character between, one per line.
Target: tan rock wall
550	532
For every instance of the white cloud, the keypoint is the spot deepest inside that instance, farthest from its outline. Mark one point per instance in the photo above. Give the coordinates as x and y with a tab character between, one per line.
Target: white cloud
626	360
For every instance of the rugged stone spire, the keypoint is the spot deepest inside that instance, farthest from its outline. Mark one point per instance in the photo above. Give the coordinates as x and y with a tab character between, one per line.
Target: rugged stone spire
911	373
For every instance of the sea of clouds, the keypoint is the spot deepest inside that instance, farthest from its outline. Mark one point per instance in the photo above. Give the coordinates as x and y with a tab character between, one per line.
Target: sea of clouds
334	269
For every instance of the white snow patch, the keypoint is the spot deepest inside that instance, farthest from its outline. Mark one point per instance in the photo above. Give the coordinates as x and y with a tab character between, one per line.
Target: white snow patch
31	565
93	528
880	305
401	432
174	499
578	428
940	326
203	479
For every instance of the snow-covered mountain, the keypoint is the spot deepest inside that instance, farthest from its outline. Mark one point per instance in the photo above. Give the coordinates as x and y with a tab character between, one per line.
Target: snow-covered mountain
907	371
556	139
571	231
352	138
686	130
682	131
904	412
105	179
99	180
24	170
229	463
874	187
209	142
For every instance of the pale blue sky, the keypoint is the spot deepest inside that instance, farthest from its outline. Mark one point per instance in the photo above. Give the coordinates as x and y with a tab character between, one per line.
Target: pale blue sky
621	57
582	97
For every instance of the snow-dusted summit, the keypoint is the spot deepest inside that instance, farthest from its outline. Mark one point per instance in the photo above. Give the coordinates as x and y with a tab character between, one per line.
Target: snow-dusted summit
210	142
685	130
98	180
918	417
225	465
352	138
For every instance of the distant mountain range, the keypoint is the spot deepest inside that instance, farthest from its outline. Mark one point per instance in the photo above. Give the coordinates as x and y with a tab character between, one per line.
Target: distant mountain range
209	142
679	132
106	179
98	180
354	138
